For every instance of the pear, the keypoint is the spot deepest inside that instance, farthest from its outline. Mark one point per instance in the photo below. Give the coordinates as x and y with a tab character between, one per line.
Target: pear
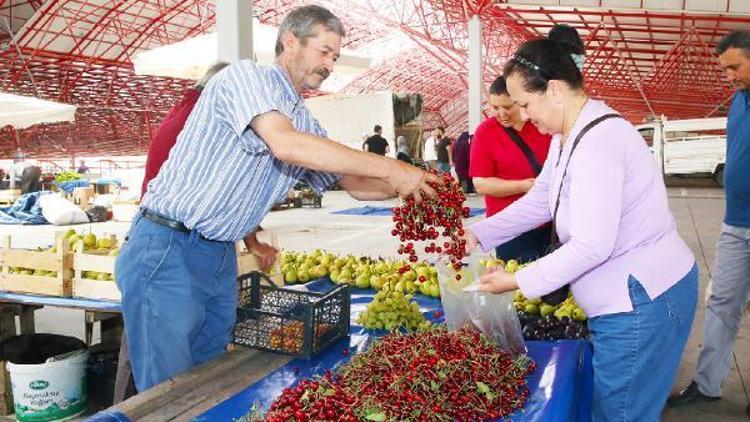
68	234
89	241
104	243
114	252
103	276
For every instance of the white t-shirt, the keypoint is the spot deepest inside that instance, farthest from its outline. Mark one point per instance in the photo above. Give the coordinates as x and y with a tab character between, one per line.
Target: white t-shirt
429	154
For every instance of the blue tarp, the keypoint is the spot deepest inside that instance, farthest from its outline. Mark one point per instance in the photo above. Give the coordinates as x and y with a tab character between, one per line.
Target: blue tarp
109	181
387	211
560	388
69	186
25	210
64	302
561	385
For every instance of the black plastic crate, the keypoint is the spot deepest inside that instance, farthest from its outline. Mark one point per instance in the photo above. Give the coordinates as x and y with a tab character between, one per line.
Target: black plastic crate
284	320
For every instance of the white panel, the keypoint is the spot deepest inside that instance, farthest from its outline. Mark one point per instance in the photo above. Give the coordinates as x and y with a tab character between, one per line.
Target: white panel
706	5
739	6
234	26
663	4
347	117
583	3
475	73
622	3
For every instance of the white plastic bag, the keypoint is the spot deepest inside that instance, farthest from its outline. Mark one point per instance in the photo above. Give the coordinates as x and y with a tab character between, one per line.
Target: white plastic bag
494	315
60	212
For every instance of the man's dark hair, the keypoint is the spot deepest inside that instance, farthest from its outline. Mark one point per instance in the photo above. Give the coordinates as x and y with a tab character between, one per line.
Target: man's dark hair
499	86
542	60
377	129
735	39
301	22
441	129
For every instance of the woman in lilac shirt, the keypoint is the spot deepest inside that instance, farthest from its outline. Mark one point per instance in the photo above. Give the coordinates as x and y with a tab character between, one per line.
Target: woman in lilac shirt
626	264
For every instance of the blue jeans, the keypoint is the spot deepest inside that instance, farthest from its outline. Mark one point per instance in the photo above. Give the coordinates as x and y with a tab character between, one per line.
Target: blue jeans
179	299
636	354
527	246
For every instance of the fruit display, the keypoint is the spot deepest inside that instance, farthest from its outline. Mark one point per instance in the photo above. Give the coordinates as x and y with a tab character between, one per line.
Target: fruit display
31	271
431	219
433	375
361	272
103	245
67	176
291	337
541	321
391	310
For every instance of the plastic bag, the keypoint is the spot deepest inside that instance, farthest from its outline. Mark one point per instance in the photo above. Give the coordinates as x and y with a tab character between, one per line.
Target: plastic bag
494	315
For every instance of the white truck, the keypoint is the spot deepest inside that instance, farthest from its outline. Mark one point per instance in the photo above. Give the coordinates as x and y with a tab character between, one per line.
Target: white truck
688	147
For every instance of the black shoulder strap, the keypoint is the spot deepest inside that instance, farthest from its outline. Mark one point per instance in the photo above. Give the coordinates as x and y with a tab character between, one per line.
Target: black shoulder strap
525	149
583	132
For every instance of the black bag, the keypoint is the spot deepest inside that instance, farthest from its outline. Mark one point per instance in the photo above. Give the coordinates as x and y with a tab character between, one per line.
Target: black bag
525	149
558	296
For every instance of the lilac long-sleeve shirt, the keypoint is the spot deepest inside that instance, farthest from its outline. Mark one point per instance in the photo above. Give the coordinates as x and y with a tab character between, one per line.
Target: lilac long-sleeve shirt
614	219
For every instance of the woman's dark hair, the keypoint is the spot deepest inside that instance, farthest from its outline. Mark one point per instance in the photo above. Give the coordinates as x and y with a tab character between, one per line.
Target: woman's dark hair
556	57
499	87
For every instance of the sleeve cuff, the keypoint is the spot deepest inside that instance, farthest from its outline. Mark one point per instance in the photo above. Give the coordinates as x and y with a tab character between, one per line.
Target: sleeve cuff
525	280
482	234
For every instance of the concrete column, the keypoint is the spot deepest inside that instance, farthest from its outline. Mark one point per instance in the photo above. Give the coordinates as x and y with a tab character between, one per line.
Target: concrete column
475	73
234	30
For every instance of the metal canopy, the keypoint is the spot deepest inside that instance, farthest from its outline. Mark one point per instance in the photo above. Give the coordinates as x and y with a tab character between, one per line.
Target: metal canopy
645	57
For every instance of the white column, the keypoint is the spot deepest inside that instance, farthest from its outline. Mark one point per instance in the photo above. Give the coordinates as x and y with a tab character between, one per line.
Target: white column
234	30
475	73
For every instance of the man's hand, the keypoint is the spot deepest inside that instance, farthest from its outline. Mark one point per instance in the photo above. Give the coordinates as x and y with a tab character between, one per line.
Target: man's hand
266	253
408	180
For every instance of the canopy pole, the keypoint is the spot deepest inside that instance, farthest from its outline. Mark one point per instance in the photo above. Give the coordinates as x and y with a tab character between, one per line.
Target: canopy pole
475	73
234	30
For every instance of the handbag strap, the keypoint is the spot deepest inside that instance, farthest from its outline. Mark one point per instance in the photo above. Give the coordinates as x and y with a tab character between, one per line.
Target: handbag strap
533	162
554	239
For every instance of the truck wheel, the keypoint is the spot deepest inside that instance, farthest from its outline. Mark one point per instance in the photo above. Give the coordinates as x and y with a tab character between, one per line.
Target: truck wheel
719	177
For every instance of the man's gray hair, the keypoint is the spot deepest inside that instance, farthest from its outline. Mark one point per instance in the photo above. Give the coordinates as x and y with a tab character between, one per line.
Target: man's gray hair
735	39
301	22
214	69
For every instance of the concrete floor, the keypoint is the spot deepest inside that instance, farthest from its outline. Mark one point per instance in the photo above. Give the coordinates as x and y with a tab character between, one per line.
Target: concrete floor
698	210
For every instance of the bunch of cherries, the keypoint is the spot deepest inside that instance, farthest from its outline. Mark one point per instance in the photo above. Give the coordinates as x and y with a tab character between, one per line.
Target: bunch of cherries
432	218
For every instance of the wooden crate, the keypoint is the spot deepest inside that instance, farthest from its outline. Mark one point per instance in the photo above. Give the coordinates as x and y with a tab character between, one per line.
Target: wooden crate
9	196
101	263
59	261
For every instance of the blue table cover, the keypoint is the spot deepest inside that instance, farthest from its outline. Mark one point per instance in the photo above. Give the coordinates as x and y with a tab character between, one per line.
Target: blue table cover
70	185
64	302
561	385
388	211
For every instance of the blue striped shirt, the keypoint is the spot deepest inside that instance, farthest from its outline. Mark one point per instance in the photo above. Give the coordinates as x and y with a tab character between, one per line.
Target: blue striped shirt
221	178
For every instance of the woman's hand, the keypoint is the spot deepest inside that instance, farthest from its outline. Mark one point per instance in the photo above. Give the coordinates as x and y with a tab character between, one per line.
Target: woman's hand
471	241
498	281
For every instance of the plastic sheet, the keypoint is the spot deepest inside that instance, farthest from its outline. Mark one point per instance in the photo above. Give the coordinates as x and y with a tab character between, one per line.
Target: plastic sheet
387	211
64	302
561	385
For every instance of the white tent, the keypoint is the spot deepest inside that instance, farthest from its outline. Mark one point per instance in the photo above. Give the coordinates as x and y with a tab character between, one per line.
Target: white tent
190	58
21	112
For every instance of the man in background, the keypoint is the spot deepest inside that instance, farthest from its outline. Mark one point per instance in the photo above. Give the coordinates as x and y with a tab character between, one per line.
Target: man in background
729	290
444	151
376	143
507	153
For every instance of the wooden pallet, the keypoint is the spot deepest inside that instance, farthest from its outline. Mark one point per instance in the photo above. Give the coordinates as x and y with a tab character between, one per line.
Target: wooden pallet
101	263
9	196
60	262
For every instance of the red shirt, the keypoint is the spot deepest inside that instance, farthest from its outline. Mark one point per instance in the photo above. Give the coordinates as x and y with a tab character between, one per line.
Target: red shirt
494	154
166	135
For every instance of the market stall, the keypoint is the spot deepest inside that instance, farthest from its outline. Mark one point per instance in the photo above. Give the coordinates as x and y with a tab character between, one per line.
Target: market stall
560	387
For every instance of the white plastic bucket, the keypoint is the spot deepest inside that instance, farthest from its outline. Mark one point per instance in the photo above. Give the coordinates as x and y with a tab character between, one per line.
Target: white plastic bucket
53	391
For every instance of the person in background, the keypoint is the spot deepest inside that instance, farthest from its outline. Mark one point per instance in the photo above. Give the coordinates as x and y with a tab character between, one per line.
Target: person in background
248	140
621	253
403	152
16	171
364	139
376	143
83	168
729	291
444	151
429	150
461	152
507	153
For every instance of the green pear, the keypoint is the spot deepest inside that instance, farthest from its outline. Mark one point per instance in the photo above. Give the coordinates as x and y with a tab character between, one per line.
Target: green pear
363	281
103	276
104	243
291	277
89	240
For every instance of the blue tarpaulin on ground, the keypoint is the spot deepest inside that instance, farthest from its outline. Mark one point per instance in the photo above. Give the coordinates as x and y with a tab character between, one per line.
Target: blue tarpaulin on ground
70	185
388	211
560	387
25	210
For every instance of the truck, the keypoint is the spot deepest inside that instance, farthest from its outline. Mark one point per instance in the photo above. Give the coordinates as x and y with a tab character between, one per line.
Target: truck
688	147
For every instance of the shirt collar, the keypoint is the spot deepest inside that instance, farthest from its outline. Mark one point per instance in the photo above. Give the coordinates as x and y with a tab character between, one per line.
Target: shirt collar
287	83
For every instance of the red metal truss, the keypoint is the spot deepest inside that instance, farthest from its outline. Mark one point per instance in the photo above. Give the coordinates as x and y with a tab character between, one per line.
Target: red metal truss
80	51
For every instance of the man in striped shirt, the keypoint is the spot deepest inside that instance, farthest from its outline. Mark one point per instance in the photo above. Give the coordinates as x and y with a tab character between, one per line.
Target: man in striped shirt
248	140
